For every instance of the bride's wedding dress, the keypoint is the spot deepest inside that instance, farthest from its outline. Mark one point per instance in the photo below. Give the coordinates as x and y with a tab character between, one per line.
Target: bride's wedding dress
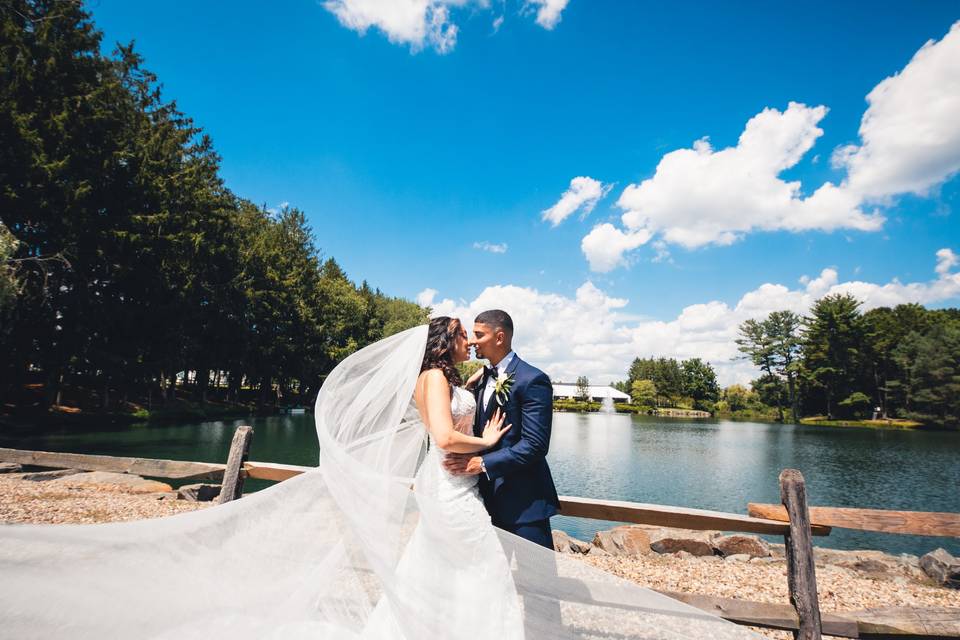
473	587
346	550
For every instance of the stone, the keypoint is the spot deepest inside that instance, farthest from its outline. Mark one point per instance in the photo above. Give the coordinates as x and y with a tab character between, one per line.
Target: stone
870	566
596	551
667	540
623	541
942	567
737	557
741	544
682	555
199	492
561	541
10	467
44	476
126	482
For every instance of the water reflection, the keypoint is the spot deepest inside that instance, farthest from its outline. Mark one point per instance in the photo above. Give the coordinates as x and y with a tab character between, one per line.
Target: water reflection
708	464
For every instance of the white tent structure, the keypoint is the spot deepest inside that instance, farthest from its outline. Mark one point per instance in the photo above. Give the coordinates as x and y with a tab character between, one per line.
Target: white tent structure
597	393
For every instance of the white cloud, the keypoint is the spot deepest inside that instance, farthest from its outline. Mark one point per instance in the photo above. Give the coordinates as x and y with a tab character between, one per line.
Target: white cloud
606	245
424	23
590	334
548	13
584	193
425	297
491	247
909	143
910	133
702	196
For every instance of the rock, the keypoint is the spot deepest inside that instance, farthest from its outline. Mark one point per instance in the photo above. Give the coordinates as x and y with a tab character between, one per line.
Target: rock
108	480
942	567
870	566
666	540
561	541
199	492
738	557
596	551
741	544
682	555
10	467
168	495
623	541
44	476
768	560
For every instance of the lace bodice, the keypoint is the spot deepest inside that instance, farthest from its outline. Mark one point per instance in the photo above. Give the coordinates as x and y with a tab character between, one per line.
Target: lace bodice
463	406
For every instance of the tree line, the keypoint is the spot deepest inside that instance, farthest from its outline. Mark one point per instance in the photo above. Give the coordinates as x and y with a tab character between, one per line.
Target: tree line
840	362
656	382
836	362
125	262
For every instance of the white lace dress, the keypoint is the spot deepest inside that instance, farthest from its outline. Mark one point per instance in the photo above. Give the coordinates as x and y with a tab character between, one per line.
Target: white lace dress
477	597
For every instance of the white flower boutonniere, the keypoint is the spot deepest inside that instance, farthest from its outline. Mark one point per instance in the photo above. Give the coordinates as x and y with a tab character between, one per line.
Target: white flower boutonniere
501	390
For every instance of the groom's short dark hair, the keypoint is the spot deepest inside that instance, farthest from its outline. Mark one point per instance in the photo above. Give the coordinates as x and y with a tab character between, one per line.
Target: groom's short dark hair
497	319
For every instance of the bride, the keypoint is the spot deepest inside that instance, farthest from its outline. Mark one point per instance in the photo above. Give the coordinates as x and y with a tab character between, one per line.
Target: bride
345	550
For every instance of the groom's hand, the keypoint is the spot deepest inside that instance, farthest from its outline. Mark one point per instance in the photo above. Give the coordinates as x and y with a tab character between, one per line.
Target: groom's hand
462	464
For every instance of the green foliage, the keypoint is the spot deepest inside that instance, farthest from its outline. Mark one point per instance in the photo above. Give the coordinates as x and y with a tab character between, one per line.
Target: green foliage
691	383
773	345
135	263
833	338
583	389
643	392
9	286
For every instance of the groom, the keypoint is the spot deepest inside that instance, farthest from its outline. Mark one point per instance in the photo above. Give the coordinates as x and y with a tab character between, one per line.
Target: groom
515	480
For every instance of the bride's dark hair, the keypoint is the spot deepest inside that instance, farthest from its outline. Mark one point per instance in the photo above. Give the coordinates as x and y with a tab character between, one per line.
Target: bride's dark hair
441	336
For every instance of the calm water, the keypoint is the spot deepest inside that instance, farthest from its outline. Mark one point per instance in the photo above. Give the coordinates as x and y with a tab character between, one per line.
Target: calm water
716	465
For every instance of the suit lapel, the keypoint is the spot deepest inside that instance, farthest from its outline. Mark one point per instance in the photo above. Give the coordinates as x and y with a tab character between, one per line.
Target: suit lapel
488	412
478	421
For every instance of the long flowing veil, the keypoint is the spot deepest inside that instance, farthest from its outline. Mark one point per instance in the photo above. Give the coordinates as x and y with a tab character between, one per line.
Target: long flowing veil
312	556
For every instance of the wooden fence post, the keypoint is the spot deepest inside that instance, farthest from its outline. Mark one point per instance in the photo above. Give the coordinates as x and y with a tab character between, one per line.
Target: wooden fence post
801	571
232	486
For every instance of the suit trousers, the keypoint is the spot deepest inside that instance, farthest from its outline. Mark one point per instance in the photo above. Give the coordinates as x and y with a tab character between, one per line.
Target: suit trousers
538	532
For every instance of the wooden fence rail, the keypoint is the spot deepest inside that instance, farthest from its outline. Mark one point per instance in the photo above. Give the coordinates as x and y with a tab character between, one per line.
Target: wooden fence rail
792	519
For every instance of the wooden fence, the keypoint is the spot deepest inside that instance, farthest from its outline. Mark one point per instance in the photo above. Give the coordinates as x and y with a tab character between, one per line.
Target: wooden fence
792	519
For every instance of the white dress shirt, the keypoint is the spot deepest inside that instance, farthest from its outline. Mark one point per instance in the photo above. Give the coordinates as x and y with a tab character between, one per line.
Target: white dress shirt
491	383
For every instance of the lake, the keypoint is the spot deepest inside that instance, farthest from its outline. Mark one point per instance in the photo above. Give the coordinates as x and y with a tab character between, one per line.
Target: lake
706	464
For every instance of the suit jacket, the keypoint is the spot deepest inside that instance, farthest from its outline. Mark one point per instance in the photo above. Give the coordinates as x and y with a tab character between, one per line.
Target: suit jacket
519	488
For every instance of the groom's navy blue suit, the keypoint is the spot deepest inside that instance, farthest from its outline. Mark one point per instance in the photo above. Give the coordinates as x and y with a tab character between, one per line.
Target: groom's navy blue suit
518	489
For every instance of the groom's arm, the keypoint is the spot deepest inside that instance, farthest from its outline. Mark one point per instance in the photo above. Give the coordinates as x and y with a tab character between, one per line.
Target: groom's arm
536	415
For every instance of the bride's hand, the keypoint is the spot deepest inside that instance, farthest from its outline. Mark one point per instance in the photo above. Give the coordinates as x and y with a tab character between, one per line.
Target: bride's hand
495	429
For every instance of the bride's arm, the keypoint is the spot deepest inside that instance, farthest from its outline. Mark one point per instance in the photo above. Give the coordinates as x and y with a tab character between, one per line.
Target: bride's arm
435	410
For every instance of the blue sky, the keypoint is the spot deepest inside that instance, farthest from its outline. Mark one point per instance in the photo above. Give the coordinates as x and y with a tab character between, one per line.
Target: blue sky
404	157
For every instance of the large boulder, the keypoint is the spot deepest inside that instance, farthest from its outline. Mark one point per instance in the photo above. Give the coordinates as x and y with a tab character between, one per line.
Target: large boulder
126	482
198	492
623	541
741	545
668	540
942	567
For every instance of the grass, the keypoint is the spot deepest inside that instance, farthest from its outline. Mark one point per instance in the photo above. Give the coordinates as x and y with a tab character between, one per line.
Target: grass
891	423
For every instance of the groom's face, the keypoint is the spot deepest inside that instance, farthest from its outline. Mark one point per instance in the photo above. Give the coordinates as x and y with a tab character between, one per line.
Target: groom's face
488	342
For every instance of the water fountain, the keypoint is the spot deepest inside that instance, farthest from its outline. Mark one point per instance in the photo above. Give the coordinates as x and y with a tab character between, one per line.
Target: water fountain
607	405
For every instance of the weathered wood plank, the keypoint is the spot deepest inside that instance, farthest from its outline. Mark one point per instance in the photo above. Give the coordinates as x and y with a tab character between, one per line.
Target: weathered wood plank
801	572
176	469
666	516
232	487
921	523
764	614
908	622
273	470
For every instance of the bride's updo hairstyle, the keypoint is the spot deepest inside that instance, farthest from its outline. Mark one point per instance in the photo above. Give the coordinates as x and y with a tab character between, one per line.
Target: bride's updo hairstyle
441	336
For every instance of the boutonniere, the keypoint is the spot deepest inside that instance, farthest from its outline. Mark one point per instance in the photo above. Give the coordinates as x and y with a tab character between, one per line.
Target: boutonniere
501	390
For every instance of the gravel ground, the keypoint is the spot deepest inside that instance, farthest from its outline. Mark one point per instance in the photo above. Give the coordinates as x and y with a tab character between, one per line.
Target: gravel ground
59	502
841	588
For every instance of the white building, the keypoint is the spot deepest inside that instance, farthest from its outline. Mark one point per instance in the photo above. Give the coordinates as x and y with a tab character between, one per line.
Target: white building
569	391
